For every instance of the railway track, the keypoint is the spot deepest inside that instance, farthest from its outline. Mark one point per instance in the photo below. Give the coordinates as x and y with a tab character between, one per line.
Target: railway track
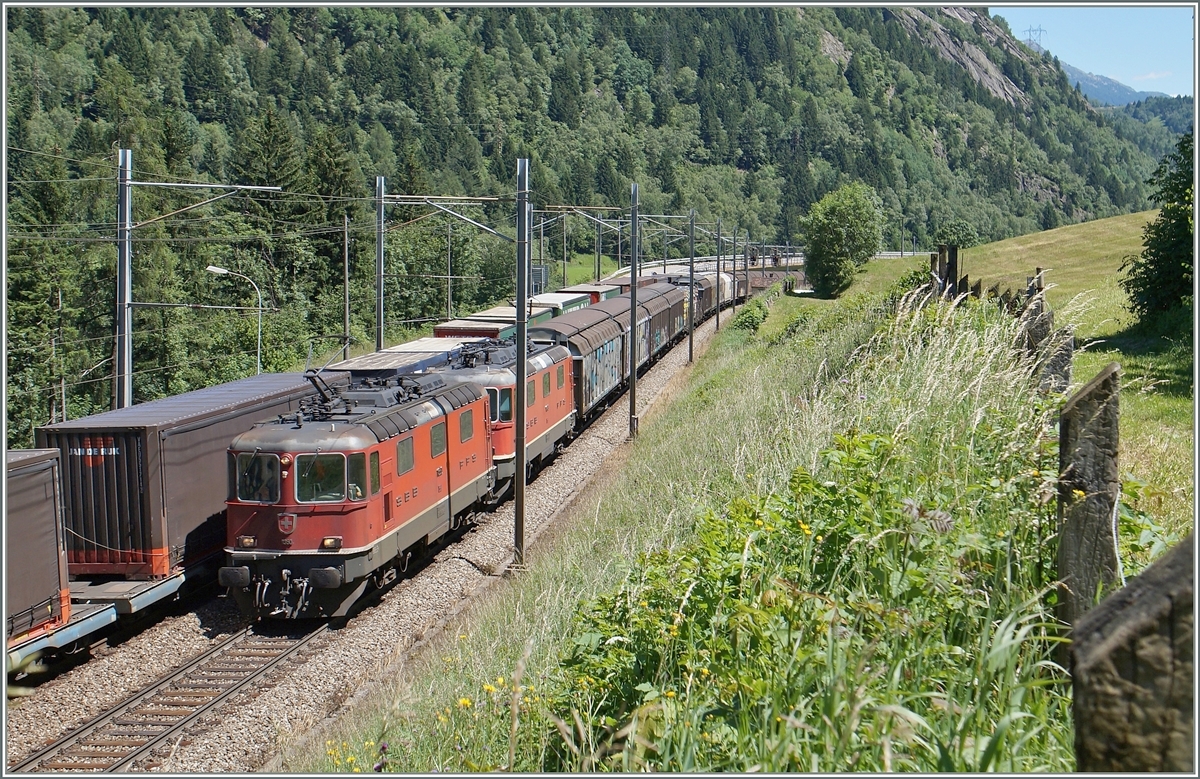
129	732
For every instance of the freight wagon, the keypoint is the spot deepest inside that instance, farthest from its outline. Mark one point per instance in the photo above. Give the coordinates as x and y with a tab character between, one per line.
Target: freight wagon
144	486
597	292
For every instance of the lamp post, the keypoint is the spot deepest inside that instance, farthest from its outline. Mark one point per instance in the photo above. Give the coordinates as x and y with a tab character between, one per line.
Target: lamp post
225	271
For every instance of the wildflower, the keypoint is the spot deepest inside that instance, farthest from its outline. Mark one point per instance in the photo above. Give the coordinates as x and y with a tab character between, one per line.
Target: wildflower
820	539
488	688
500	680
462	636
350	759
645	604
704	672
378	768
758	522
441	718
807	530
383	747
1079	494
464	703
670	693
368	743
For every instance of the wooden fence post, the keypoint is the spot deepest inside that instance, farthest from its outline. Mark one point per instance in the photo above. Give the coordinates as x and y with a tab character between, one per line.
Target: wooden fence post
1088	490
1131	673
1037	322
1055	369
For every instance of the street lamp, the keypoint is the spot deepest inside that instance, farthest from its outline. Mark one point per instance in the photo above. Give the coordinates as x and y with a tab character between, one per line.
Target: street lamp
225	271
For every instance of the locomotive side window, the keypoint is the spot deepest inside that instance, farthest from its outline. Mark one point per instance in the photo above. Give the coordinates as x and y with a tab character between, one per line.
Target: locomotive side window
437	440
546	385
374	472
321	479
466	426
356	476
531	392
404	456
258	478
506	404
561	376
493	404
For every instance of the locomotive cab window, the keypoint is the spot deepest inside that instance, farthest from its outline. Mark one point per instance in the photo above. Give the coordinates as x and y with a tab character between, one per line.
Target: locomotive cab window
561	376
257	478
437	440
404	456
506	405
493	404
531	392
356	476
466	426
321	478
546	385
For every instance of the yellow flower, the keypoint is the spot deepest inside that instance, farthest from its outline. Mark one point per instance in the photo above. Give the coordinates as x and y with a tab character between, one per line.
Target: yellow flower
350	759
758	522
500	680
462	636
820	539
464	703
488	688
645	604
807	530
704	672
441	718
670	693
1079	494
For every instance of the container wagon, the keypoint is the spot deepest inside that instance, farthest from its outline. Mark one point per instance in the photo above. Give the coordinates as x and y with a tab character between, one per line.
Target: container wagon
535	314
597	292
476	327
144	486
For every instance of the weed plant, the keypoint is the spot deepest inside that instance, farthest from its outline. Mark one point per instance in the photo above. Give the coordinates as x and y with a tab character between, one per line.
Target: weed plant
829	554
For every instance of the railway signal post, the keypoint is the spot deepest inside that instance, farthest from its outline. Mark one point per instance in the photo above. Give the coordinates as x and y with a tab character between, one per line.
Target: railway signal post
633	317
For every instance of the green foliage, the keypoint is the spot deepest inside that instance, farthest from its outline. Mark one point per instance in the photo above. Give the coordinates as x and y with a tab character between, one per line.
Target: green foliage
752	315
1159	280
841	232
957	232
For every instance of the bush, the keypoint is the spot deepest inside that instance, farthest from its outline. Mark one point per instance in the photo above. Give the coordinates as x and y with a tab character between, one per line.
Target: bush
842	231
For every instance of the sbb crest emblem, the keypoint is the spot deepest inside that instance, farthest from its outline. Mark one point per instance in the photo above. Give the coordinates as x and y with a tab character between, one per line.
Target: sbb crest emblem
287	523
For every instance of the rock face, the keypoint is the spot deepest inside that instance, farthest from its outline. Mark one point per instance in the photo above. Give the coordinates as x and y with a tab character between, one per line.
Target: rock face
935	35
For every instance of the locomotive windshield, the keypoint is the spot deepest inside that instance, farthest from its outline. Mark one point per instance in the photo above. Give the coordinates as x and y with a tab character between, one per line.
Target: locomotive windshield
321	478
500	403
258	478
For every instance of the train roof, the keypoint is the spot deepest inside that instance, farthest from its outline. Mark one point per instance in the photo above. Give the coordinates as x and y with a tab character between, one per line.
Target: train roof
23	458
199	404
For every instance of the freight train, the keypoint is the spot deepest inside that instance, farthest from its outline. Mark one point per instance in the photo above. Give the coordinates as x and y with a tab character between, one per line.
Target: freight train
356	469
337	498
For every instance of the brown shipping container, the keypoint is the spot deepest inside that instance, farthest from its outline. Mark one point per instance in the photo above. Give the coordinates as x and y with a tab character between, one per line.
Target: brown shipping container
38	595
145	486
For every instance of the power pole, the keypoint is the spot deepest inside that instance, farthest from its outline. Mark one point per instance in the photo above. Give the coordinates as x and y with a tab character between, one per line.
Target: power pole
345	286
597	252
449	299
691	281
380	189
124	358
564	221
718	279
524	228
633	313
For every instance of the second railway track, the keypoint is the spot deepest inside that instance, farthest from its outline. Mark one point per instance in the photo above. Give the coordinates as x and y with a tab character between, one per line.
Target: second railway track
129	732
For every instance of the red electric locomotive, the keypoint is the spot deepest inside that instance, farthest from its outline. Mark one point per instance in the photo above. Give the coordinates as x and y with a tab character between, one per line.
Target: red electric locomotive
337	497
334	498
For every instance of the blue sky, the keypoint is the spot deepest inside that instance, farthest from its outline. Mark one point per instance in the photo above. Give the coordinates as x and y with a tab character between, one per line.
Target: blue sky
1148	48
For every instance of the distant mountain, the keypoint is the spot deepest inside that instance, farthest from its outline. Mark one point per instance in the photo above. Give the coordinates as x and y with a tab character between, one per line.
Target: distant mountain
1100	89
1105	90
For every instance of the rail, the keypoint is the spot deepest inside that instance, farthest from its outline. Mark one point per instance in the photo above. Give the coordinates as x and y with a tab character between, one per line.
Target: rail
134	728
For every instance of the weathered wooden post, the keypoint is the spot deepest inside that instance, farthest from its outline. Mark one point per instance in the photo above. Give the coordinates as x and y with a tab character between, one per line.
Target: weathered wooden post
1088	490
1131	673
952	268
1037	322
1055	369
977	290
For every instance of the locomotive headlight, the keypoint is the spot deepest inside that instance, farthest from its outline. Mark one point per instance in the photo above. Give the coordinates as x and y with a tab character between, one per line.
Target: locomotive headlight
285	460
247	542
331	542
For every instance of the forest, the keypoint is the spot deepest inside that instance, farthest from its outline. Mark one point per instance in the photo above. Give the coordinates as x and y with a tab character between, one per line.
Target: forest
750	115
